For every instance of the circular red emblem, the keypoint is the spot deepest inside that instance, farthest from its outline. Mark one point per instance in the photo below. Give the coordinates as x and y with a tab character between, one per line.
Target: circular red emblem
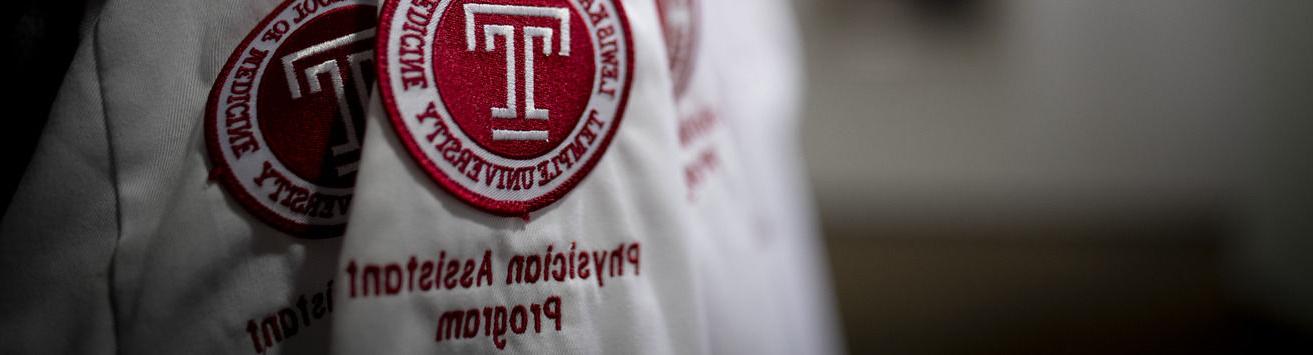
507	104
285	116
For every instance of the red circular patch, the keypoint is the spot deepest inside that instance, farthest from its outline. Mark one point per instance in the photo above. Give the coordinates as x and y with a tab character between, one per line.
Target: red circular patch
506	104
309	126
285	116
558	81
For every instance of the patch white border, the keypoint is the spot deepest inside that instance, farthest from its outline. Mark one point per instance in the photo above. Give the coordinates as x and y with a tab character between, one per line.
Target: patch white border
250	165
405	106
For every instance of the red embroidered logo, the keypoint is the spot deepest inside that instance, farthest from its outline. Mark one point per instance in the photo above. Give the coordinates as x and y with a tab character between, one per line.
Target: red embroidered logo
679	25
285	116
506	104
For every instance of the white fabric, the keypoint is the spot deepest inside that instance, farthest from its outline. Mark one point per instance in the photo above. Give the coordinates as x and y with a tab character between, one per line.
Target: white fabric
59	232
118	241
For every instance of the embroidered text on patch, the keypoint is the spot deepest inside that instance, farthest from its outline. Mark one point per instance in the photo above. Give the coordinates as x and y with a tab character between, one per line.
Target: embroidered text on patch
285	116
506	104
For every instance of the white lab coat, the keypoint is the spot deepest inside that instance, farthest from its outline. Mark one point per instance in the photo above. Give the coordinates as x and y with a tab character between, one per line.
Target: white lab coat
118	240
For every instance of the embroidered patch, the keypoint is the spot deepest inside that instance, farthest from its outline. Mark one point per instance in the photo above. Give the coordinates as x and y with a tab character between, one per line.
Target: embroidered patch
506	104
679	25
285	116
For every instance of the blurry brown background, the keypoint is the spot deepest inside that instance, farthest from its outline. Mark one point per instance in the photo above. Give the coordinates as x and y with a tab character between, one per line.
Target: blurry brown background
1037	177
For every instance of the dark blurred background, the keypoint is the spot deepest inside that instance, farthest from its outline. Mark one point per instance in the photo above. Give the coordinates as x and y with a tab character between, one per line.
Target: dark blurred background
40	37
1089	177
